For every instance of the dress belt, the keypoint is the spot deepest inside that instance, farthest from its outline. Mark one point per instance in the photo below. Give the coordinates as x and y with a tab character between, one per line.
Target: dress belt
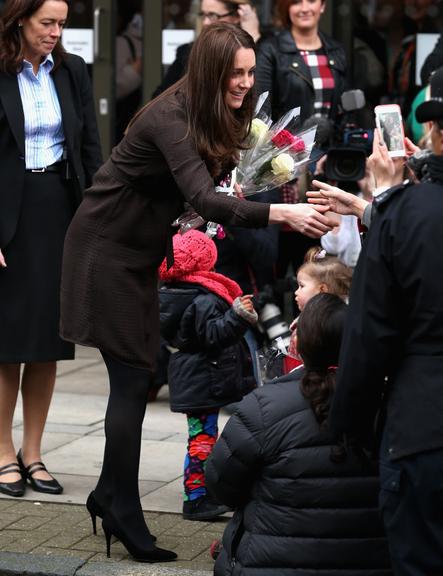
56	167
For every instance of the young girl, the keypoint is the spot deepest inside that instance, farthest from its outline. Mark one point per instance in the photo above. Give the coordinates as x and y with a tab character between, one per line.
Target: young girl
319	273
203	316
305	502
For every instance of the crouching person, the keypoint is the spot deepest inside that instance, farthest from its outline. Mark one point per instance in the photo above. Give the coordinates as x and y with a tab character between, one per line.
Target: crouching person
305	503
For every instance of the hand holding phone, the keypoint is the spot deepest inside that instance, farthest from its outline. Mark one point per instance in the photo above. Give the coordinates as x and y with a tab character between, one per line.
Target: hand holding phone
389	122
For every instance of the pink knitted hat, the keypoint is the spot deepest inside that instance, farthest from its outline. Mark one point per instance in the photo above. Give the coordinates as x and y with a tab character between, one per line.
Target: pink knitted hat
193	252
195	255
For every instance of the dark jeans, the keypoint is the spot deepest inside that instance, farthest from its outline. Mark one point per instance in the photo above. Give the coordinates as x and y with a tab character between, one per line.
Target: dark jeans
411	502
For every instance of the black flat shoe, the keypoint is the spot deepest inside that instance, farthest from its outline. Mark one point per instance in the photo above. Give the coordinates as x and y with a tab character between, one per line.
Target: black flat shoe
45	486
95	510
16	488
150	554
203	509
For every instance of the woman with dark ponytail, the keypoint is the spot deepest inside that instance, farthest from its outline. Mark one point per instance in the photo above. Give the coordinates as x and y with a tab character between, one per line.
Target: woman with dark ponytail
318	344
305	501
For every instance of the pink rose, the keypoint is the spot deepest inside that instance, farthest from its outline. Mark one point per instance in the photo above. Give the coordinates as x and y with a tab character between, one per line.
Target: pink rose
283	138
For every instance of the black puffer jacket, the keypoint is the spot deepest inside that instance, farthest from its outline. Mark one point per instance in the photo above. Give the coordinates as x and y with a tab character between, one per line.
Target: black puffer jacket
282	71
302	510
212	367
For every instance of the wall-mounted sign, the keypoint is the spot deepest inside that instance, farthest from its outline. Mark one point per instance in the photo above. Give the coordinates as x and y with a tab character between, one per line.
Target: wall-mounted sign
171	40
425	45
79	41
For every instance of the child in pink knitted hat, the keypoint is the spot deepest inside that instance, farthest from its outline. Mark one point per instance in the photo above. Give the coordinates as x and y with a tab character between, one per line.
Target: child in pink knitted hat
204	316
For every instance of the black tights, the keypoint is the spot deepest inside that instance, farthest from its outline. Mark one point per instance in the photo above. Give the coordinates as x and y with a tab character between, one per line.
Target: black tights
117	487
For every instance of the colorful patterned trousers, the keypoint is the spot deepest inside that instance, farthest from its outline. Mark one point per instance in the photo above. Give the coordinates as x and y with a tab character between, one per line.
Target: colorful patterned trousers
202	435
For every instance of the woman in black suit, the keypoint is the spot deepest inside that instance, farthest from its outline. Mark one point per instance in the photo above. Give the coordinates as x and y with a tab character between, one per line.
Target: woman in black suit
49	150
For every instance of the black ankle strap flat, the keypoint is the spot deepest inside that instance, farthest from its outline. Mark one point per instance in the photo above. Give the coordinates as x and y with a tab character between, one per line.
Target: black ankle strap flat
8	468
45	486
16	488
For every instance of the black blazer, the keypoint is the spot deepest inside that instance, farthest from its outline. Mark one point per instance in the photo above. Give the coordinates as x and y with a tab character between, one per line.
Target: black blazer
80	127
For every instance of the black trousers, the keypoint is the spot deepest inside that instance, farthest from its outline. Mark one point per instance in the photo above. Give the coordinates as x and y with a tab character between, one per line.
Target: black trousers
411	502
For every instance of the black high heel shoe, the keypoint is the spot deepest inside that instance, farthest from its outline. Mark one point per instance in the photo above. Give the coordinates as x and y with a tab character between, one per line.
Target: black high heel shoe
45	486
95	510
151	554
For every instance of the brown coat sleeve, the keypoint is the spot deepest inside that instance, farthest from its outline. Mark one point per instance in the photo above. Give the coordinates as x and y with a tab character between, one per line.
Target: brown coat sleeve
193	179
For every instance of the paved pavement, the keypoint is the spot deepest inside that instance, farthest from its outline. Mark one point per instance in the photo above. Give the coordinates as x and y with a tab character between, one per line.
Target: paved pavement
52	535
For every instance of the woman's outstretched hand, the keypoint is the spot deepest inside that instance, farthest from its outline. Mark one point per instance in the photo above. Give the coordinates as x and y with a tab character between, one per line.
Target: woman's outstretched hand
2	260
336	199
309	220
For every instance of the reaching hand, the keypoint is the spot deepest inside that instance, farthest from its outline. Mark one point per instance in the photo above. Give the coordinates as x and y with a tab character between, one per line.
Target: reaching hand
309	220
410	147
386	170
336	199
249	20
2	260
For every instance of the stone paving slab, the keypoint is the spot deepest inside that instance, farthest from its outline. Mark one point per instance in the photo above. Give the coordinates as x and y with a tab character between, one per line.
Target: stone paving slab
48	539
25	564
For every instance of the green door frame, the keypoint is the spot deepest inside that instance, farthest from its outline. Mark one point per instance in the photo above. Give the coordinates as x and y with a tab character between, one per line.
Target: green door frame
104	15
152	46
104	70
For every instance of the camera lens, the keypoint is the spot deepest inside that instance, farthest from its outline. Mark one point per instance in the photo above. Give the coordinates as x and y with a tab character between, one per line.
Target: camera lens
273	323
345	164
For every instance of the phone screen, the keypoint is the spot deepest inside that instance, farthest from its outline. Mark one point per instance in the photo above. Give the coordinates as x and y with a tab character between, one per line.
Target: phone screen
391	130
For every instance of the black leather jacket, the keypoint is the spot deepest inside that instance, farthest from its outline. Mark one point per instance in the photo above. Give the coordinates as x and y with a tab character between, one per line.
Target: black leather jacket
282	71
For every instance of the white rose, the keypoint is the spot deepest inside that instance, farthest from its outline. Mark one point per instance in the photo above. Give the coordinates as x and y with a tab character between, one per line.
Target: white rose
282	164
258	129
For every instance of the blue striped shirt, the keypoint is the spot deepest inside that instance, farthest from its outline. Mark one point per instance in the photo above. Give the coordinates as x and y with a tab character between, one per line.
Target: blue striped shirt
44	136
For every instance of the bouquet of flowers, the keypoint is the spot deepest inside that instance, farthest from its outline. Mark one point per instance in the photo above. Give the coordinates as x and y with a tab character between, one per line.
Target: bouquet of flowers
275	154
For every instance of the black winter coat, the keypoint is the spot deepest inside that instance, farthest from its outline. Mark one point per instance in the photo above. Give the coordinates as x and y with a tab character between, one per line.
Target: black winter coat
282	71
395	323
212	367
300	510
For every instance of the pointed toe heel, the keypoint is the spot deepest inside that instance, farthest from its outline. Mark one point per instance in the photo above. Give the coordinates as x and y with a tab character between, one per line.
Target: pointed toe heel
149	555
94	510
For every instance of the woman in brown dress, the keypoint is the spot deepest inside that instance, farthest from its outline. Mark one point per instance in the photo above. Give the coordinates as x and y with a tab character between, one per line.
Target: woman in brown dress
173	150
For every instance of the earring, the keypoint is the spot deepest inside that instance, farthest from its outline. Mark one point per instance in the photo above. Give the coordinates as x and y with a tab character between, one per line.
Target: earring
20	25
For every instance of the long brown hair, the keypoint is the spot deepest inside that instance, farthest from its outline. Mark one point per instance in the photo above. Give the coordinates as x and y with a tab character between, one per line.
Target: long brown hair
218	131
319	333
11	42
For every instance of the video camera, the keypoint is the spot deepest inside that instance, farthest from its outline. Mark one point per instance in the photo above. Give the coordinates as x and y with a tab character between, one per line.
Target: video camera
270	316
346	159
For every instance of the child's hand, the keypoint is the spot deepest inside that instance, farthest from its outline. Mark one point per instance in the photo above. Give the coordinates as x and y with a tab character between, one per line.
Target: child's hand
246	301
243	307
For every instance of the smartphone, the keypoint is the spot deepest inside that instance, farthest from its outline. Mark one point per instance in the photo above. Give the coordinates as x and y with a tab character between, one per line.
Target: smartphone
389	122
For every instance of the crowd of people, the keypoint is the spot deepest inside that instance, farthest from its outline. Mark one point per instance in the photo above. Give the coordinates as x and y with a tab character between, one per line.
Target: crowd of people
334	467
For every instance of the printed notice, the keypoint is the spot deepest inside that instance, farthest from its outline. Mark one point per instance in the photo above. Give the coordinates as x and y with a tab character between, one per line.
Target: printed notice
79	41
171	40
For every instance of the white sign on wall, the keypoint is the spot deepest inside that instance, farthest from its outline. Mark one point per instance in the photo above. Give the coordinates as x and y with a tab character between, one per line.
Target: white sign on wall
79	41
171	40
425	45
